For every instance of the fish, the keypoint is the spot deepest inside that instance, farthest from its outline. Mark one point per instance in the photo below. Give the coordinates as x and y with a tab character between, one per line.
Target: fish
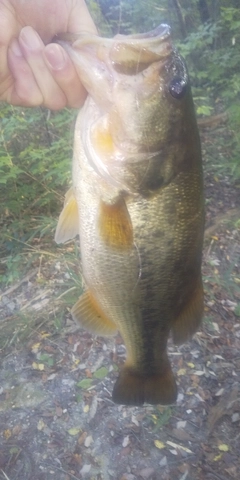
137	203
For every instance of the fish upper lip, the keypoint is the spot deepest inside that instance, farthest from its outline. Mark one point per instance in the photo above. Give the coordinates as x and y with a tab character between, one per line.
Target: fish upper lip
156	41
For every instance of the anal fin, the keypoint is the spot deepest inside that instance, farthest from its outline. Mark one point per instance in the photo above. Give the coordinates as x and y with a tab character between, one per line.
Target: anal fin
189	319
89	315
68	223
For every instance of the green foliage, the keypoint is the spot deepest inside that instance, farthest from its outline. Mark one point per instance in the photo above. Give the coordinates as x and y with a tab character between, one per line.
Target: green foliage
161	418
36	145
35	159
125	17
212	53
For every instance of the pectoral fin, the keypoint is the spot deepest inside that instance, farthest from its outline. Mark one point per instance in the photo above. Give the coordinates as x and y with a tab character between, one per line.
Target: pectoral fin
115	226
68	224
88	313
190	317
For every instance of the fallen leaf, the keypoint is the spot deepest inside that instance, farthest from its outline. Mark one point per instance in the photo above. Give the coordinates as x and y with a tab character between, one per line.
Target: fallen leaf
86	408
17	429
235	417
74	431
181	372
35	347
180	434
85	383
159	444
85	469
7	434
82	438
219	392
40	425
101	373
126	441
223	447
88	441
181	424
38	366
181	447
146	473
218	457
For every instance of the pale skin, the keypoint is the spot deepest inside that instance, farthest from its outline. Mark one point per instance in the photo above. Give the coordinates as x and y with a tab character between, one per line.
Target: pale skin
33	70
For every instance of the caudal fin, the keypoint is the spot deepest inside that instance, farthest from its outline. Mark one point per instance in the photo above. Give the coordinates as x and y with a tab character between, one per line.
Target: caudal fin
131	388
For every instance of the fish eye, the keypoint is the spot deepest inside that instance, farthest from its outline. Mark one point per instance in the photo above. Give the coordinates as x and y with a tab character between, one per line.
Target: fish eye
178	87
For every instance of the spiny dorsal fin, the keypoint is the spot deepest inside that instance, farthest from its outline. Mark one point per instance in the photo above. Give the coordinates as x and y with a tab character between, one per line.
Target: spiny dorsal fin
68	223
89	315
115	226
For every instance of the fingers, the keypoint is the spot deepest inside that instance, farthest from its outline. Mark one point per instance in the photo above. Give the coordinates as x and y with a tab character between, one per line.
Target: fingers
65	75
25	90
32	47
43	75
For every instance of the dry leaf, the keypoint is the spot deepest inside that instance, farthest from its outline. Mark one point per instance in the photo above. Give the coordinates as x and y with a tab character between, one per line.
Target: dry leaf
88	441
126	441
223	447
181	372
146	473
82	438
35	347
85	469
74	431
7	434
159	444
40	425
180	434
181	447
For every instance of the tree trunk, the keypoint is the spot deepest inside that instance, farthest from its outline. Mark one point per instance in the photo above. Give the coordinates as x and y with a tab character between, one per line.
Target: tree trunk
180	16
204	11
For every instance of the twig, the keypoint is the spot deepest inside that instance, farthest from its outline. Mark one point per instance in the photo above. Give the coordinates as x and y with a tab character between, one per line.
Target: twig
5	476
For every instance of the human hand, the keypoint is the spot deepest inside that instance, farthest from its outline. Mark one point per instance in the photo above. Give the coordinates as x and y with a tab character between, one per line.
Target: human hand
33	71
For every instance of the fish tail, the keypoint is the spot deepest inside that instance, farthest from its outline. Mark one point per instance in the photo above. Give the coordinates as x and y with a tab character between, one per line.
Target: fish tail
132	388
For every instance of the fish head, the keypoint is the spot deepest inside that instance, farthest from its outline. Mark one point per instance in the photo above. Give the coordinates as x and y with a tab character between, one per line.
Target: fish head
139	108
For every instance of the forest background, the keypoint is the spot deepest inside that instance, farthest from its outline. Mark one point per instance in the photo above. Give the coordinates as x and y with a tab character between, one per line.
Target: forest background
57	419
36	144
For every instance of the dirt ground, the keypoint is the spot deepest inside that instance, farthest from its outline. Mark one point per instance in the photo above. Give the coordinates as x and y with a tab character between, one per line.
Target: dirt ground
57	419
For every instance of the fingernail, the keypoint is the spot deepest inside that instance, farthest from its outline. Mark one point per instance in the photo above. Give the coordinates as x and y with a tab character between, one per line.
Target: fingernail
30	38
15	49
55	56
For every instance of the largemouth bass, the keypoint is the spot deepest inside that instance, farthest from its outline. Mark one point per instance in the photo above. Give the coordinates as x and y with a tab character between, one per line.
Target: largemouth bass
137	197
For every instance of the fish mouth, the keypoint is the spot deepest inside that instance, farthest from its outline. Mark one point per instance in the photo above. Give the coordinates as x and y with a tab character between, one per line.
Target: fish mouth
126	54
